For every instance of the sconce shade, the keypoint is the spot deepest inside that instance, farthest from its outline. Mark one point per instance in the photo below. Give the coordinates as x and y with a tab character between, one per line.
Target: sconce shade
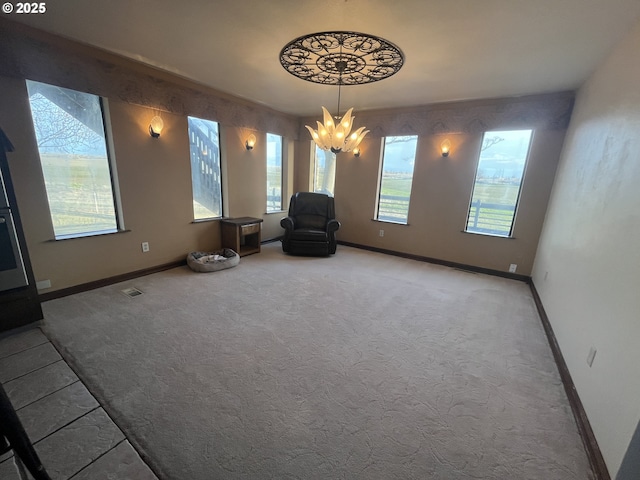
156	126
251	141
356	152
445	146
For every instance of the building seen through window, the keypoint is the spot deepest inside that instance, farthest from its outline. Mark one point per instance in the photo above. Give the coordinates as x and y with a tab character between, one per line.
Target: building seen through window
204	148
78	173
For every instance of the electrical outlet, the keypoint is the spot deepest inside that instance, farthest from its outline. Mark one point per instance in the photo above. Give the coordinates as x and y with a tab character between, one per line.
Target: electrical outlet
513	267
591	356
42	284
145	246
382	233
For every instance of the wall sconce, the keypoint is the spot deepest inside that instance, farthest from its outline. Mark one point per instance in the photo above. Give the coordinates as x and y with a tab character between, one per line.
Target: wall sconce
445	146
251	141
356	152
156	126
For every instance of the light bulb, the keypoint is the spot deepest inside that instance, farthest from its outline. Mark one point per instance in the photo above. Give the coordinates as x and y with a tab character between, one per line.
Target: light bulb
251	141
445	147
156	126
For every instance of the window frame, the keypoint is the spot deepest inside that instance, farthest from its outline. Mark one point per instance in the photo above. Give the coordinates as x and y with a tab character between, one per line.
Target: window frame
110	160
383	149
516	205
314	164
220	181
281	139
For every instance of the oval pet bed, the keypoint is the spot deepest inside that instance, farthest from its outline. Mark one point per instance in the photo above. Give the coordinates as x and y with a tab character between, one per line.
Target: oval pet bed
212	261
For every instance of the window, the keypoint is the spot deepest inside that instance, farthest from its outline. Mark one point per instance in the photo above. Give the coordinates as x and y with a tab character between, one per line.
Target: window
274	173
204	146
396	176
498	180
70	132
324	171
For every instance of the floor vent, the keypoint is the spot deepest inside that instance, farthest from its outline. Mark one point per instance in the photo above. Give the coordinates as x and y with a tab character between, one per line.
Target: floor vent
131	292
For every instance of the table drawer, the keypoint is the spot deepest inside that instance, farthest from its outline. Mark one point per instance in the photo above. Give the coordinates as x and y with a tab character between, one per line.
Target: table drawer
249	229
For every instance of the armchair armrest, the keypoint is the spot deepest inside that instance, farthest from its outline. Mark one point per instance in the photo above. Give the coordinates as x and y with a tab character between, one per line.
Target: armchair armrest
333	225
288	223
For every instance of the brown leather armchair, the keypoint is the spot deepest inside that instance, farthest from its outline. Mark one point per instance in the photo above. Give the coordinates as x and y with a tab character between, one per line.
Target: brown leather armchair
310	228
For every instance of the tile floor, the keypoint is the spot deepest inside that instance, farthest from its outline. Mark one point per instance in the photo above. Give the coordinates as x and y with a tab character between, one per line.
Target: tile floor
72	434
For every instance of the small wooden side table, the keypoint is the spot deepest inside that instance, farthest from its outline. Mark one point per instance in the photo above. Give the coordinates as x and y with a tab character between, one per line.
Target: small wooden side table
241	234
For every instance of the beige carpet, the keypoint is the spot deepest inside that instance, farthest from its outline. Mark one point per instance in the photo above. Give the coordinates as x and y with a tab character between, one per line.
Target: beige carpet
357	366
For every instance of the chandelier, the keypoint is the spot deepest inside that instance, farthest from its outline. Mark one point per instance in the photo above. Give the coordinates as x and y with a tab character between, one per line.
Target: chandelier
340	58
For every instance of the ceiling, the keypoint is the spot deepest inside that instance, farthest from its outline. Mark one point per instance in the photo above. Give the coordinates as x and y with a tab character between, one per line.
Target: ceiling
454	49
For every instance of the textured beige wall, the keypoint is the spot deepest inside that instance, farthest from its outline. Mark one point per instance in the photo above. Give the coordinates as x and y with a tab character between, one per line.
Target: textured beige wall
154	174
247	179
154	177
588	263
155	189
303	165
155	182
441	188
29	53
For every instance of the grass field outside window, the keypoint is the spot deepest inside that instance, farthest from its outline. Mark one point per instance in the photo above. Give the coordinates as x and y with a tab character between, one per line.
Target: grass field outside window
499	175
396	178
76	167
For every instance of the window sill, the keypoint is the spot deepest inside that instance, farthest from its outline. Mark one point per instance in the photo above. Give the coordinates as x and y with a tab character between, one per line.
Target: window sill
87	235
279	212
494	235
204	220
389	221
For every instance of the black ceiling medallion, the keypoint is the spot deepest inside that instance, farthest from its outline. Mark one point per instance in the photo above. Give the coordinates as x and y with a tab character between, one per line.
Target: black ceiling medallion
341	58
